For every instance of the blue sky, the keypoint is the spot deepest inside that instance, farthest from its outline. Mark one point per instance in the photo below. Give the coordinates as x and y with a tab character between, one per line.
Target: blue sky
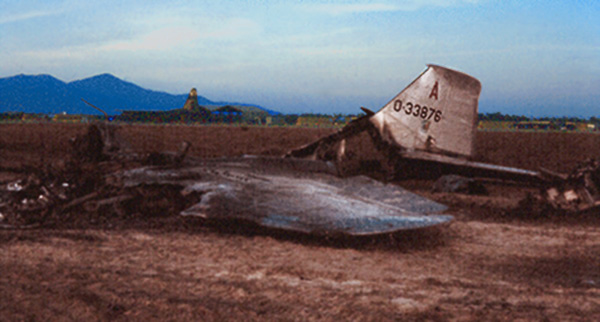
532	57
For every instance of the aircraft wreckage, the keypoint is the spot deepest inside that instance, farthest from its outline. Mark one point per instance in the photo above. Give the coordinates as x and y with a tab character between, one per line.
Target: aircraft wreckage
430	126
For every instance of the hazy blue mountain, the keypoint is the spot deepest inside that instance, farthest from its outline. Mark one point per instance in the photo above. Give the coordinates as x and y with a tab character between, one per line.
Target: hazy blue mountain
46	94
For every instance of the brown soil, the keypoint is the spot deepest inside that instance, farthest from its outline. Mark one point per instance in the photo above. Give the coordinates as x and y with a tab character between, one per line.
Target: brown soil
494	262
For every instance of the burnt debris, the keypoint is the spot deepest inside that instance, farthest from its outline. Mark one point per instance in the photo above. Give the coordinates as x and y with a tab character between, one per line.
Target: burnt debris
578	191
101	183
82	187
457	184
103	179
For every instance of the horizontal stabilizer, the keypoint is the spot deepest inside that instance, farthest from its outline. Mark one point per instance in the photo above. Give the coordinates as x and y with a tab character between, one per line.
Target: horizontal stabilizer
474	169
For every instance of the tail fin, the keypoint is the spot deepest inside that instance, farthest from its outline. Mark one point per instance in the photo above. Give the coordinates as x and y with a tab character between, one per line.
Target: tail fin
437	113
192	101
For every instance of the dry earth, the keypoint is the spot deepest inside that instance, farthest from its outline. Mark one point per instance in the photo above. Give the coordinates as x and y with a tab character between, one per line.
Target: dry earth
494	262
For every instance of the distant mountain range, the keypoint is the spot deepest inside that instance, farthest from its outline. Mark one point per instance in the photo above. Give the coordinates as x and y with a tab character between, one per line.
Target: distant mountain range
49	95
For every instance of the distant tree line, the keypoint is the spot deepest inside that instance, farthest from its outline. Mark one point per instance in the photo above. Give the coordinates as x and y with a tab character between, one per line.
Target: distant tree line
499	117
262	118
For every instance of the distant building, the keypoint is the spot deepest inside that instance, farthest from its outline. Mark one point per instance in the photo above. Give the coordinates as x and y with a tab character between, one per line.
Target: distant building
191	104
34	117
227	114
201	115
11	116
548	125
314	121
67	118
190	113
535	125
227	110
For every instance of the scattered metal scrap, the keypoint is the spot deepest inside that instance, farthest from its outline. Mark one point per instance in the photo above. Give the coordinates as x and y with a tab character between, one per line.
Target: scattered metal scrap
457	184
82	184
100	181
577	191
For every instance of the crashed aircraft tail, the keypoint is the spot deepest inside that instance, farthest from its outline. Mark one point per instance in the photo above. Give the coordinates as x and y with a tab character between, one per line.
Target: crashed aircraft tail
436	113
429	129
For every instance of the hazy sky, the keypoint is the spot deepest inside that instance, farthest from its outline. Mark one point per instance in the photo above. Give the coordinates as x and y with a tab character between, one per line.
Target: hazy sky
532	57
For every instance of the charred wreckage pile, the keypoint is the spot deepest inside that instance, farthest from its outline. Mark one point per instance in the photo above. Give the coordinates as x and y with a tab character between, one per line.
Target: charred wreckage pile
578	191
86	186
99	183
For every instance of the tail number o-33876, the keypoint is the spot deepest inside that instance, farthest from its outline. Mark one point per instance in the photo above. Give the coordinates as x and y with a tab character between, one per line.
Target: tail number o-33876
416	110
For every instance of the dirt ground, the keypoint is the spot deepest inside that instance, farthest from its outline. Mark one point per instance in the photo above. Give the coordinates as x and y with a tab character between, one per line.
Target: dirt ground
494	262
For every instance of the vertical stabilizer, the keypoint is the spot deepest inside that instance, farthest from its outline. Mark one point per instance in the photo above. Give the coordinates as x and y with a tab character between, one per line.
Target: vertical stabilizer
436	113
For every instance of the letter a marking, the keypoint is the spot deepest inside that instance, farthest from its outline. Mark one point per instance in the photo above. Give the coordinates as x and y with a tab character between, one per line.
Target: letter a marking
434	91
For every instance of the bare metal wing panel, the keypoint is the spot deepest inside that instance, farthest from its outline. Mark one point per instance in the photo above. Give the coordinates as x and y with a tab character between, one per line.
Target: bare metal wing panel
279	193
437	113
